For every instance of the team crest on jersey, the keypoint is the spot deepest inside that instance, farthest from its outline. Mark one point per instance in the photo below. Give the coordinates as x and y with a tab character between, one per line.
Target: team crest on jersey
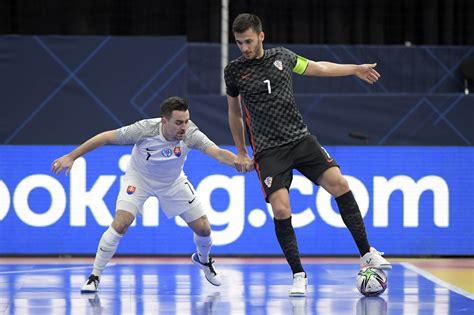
131	189
278	64
177	151
166	152
268	181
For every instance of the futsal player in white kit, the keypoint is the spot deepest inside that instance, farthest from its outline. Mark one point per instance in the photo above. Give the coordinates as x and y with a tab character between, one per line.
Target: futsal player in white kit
155	169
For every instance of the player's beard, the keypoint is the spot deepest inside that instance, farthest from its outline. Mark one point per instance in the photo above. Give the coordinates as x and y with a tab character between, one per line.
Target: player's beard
258	50
180	136
256	53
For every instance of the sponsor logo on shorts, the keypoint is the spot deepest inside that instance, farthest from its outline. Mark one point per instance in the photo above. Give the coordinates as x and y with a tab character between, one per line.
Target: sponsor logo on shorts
177	151
191	201
268	181
329	159
278	64
131	189
166	152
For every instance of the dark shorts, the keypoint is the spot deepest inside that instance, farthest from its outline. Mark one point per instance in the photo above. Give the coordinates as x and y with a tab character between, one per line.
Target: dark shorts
275	165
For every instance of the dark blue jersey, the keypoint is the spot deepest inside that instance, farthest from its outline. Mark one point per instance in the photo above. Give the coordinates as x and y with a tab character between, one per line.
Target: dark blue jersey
266	89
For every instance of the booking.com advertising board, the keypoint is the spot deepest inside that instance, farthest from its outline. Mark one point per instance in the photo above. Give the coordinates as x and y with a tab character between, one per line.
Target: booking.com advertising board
415	201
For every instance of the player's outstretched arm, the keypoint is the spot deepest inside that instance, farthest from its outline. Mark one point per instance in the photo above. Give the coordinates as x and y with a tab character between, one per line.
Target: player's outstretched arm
66	161
225	157
365	72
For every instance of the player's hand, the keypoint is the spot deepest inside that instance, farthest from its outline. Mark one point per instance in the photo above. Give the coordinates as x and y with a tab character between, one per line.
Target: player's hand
64	162
250	166
367	73
241	162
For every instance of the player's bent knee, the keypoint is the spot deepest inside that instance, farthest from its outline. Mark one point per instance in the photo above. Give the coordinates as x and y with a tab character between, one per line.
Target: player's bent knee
201	226
122	221
204	228
343	185
204	231
120	227
281	213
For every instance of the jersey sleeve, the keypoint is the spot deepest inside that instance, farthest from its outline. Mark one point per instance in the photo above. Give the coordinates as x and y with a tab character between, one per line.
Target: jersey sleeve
298	63
196	139
131	134
229	78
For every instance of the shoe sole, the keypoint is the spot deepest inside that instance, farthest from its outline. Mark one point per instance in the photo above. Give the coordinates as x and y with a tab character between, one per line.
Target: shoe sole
201	267
89	291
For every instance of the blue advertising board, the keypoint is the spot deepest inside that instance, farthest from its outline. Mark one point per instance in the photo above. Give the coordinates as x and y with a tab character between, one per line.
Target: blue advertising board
415	201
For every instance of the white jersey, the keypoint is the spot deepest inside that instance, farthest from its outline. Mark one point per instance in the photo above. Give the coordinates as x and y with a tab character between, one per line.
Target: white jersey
153	155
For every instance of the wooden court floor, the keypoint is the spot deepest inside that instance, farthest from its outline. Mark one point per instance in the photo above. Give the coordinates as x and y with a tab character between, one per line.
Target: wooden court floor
172	285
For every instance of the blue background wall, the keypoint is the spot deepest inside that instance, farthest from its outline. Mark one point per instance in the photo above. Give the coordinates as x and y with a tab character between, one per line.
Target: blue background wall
62	90
59	90
427	211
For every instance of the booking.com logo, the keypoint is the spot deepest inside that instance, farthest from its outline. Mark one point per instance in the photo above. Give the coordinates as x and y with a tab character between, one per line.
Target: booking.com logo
231	216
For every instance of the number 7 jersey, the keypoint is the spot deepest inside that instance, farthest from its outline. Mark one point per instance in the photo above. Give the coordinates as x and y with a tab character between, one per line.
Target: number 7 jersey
265	86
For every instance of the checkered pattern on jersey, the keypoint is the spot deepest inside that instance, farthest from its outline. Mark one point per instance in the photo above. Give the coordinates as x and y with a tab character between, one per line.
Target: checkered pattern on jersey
266	88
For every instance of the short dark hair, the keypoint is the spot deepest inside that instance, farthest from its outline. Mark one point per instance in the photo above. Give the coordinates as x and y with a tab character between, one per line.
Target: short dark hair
171	104
244	21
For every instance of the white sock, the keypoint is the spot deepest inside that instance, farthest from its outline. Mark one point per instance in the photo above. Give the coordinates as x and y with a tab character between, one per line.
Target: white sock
203	246
107	246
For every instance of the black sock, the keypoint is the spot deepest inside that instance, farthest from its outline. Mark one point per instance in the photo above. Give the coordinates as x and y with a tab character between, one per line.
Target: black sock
287	239
352	218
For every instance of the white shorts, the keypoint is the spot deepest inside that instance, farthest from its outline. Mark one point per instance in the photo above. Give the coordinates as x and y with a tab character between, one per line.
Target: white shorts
177	199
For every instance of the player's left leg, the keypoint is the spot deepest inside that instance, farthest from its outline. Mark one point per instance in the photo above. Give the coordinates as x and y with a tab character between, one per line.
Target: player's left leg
203	242
181	199
334	183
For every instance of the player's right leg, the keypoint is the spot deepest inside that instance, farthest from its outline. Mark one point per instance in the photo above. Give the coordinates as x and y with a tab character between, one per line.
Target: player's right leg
107	247
274	167
134	191
286	236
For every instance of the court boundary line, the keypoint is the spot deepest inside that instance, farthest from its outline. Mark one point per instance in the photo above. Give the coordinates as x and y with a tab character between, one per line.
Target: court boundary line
46	270
431	277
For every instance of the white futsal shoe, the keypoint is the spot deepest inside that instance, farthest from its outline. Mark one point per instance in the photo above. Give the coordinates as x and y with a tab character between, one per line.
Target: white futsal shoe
374	259
300	282
91	285
209	271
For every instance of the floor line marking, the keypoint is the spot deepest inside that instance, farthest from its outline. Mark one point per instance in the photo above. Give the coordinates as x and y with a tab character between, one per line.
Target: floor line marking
437	280
47	269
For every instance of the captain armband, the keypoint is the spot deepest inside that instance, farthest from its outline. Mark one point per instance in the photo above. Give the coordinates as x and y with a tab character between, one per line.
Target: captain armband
301	65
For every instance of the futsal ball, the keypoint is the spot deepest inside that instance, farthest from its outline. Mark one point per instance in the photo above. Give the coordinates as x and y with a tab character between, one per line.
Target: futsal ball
371	281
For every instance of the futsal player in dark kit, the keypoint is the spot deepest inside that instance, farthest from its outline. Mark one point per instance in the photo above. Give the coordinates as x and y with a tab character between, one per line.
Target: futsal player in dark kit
260	82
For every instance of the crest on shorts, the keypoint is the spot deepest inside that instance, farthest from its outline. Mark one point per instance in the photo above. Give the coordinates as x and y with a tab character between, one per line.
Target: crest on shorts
166	152
268	181
278	64
177	151
131	189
